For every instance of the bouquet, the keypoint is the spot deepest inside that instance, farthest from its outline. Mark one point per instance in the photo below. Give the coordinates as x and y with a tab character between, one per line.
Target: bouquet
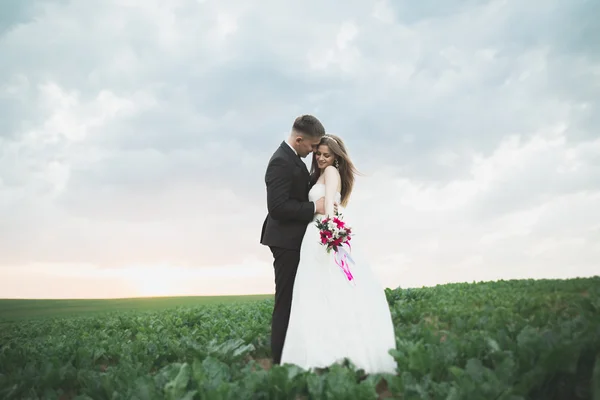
334	235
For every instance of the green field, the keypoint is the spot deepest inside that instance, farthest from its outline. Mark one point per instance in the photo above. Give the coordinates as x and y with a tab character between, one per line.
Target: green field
504	340
11	310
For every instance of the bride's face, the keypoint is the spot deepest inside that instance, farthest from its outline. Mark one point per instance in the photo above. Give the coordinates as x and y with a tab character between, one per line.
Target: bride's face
324	156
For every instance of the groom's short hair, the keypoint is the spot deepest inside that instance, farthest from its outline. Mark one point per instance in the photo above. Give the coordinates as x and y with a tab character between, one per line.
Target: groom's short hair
309	125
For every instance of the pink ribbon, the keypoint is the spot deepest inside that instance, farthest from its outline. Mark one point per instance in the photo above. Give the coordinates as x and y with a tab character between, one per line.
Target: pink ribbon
341	257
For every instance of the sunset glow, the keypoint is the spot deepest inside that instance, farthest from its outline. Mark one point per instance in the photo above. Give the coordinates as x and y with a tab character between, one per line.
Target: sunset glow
156	281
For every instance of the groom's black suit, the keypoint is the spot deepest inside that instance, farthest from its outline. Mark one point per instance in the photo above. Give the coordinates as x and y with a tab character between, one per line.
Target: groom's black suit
289	212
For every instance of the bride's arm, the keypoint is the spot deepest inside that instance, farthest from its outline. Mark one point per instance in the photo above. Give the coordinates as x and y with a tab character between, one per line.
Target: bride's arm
332	181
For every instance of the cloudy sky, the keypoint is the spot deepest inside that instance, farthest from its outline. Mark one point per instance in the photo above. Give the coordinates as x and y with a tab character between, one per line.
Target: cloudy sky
134	136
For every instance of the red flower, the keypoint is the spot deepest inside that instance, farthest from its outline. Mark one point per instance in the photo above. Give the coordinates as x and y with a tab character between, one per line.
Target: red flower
327	237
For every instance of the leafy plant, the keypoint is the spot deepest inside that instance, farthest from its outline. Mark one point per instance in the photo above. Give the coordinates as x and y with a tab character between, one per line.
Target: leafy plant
510	340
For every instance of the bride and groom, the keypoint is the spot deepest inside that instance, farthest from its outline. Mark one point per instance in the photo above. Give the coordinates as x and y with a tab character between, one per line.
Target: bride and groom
319	317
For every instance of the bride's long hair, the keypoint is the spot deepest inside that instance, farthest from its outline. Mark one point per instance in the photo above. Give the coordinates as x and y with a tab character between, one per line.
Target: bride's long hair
344	165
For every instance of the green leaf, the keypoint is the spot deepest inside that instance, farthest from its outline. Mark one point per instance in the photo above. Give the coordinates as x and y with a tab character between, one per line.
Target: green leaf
596	379
316	386
176	389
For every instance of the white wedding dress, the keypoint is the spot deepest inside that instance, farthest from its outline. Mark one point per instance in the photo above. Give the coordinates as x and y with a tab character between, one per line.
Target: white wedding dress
330	318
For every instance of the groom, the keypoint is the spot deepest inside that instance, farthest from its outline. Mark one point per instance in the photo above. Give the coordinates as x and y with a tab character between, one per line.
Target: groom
289	213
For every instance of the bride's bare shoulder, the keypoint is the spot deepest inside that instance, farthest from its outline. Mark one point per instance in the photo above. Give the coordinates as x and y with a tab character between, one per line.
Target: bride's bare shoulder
331	172
331	176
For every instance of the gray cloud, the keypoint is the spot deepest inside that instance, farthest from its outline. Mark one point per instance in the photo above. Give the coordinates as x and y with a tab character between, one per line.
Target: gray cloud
135	132
15	13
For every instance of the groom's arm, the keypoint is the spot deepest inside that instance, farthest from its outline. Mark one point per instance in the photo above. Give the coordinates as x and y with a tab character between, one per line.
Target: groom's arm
281	207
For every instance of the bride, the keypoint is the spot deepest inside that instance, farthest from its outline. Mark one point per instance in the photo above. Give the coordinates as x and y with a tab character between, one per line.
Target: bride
332	319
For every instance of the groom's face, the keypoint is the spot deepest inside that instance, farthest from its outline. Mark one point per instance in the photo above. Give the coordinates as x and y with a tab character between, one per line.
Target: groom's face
306	144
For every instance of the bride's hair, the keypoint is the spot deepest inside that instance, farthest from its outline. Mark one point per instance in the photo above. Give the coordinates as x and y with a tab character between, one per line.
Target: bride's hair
344	165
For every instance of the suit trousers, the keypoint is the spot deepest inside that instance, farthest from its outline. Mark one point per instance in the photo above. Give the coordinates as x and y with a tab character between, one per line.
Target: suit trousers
285	264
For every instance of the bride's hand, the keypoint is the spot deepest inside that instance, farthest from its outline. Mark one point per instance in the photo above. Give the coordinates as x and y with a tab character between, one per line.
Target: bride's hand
320	206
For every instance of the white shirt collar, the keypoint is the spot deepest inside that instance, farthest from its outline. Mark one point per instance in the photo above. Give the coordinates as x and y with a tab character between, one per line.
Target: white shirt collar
286	142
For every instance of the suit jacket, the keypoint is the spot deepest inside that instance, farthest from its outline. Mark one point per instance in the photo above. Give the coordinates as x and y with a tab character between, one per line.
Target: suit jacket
289	211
